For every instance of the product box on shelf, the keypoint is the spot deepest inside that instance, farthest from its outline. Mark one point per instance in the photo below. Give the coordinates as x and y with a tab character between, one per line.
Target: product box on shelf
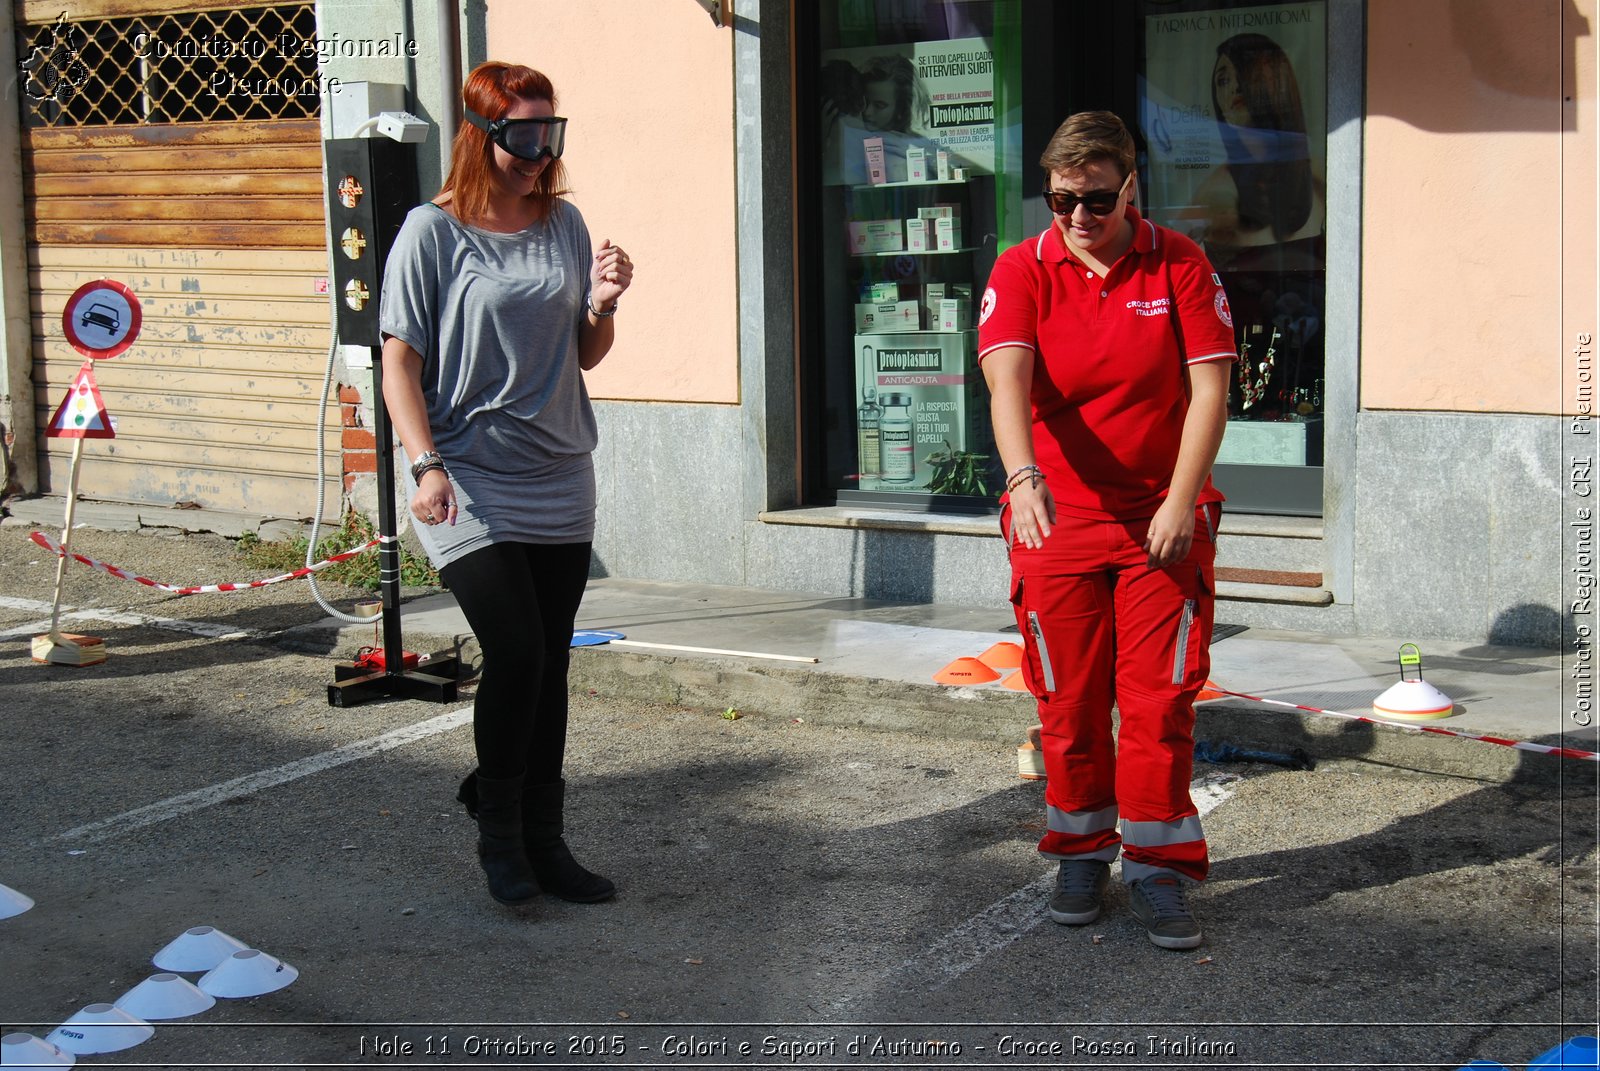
888	316
876	173
946	223
942	163
916	164
954	314
876	236
925	399
886	290
933	293
916	236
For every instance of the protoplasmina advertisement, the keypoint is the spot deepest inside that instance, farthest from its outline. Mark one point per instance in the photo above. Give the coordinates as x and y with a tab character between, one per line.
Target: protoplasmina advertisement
915	398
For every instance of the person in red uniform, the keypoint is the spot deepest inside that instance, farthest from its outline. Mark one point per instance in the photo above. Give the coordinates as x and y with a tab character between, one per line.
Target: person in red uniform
1107	344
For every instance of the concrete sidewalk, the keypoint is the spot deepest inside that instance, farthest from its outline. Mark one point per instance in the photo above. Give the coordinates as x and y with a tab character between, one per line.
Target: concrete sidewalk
874	662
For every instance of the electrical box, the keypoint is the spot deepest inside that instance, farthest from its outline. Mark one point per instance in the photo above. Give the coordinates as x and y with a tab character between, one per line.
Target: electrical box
353	103
372	184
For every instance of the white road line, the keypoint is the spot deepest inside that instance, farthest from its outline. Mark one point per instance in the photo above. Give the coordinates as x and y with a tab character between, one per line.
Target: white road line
207	629
175	806
1012	917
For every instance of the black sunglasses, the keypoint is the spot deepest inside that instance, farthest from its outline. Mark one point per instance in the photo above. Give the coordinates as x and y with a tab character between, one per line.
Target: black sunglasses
1098	202
526	139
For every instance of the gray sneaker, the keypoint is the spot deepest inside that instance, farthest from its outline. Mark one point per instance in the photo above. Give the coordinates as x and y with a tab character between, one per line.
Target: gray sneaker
1161	905
1079	883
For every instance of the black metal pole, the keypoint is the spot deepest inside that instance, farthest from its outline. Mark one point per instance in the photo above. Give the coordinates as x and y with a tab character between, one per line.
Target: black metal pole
356	682
367	206
388	523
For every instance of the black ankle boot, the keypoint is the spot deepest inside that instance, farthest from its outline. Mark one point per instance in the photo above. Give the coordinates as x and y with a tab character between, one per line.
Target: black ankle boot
558	872
501	851
467	794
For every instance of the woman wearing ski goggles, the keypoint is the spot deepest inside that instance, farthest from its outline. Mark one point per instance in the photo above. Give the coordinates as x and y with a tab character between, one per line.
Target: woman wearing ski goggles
526	139
495	301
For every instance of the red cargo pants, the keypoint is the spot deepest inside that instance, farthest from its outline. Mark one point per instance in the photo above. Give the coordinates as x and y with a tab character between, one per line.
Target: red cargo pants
1101	628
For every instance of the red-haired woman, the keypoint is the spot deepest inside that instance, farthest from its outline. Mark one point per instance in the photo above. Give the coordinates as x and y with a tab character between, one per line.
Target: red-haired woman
494	303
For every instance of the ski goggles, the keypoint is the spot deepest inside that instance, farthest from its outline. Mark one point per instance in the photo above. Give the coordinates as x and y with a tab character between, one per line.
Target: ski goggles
1098	202
526	139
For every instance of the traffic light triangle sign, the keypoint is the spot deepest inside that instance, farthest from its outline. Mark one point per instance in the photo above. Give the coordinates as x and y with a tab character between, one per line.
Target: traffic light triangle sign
82	414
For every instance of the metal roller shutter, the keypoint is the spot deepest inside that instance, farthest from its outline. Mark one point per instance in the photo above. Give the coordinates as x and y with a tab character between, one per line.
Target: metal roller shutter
209	206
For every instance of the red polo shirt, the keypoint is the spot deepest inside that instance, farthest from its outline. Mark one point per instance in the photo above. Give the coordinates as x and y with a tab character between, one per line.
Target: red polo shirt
1108	395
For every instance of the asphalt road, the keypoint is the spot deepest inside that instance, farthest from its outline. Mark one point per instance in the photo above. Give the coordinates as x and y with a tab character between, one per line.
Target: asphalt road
787	887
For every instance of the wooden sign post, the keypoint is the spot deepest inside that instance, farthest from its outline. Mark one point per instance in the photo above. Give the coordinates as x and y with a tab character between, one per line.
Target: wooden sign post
101	320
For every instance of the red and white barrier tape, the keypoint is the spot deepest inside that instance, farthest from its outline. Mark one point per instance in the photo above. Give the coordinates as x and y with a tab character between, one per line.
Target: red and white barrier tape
1521	745
202	589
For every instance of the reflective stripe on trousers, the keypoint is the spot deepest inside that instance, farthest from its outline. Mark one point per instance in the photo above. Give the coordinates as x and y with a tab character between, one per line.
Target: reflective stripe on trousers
1150	848
1147	848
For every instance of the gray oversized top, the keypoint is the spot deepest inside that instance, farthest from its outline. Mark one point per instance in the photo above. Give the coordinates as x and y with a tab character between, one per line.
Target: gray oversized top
495	318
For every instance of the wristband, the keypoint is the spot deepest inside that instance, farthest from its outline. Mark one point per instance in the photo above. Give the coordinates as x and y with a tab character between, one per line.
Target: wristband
1031	473
1032	479
425	462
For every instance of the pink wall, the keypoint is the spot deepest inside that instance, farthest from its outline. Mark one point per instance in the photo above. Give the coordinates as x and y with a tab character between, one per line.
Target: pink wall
1478	238
648	86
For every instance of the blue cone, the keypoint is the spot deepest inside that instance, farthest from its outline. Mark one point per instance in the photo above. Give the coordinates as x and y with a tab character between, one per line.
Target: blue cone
1577	1054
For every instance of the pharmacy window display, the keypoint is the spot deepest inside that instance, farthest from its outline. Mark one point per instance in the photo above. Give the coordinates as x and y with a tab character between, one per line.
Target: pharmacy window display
907	162
1233	109
923	120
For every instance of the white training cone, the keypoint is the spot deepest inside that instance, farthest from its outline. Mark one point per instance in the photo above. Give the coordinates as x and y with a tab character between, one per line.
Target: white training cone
101	1028
1412	699
25	1050
247	974
165	996
13	903
197	950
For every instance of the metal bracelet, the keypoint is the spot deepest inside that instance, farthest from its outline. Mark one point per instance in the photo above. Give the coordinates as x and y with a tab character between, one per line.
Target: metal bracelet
589	301
430	459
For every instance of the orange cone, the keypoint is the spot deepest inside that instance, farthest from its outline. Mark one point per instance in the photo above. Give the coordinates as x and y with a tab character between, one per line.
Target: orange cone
1003	655
966	671
1015	682
1209	691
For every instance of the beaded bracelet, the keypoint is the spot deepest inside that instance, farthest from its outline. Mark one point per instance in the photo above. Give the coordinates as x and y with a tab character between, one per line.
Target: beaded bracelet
1026	472
1032	478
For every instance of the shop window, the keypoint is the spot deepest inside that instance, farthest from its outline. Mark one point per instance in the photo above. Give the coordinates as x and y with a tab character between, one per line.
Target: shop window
1233	111
921	126
907	202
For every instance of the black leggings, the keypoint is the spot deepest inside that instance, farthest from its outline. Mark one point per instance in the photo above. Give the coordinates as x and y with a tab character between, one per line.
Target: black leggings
521	600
